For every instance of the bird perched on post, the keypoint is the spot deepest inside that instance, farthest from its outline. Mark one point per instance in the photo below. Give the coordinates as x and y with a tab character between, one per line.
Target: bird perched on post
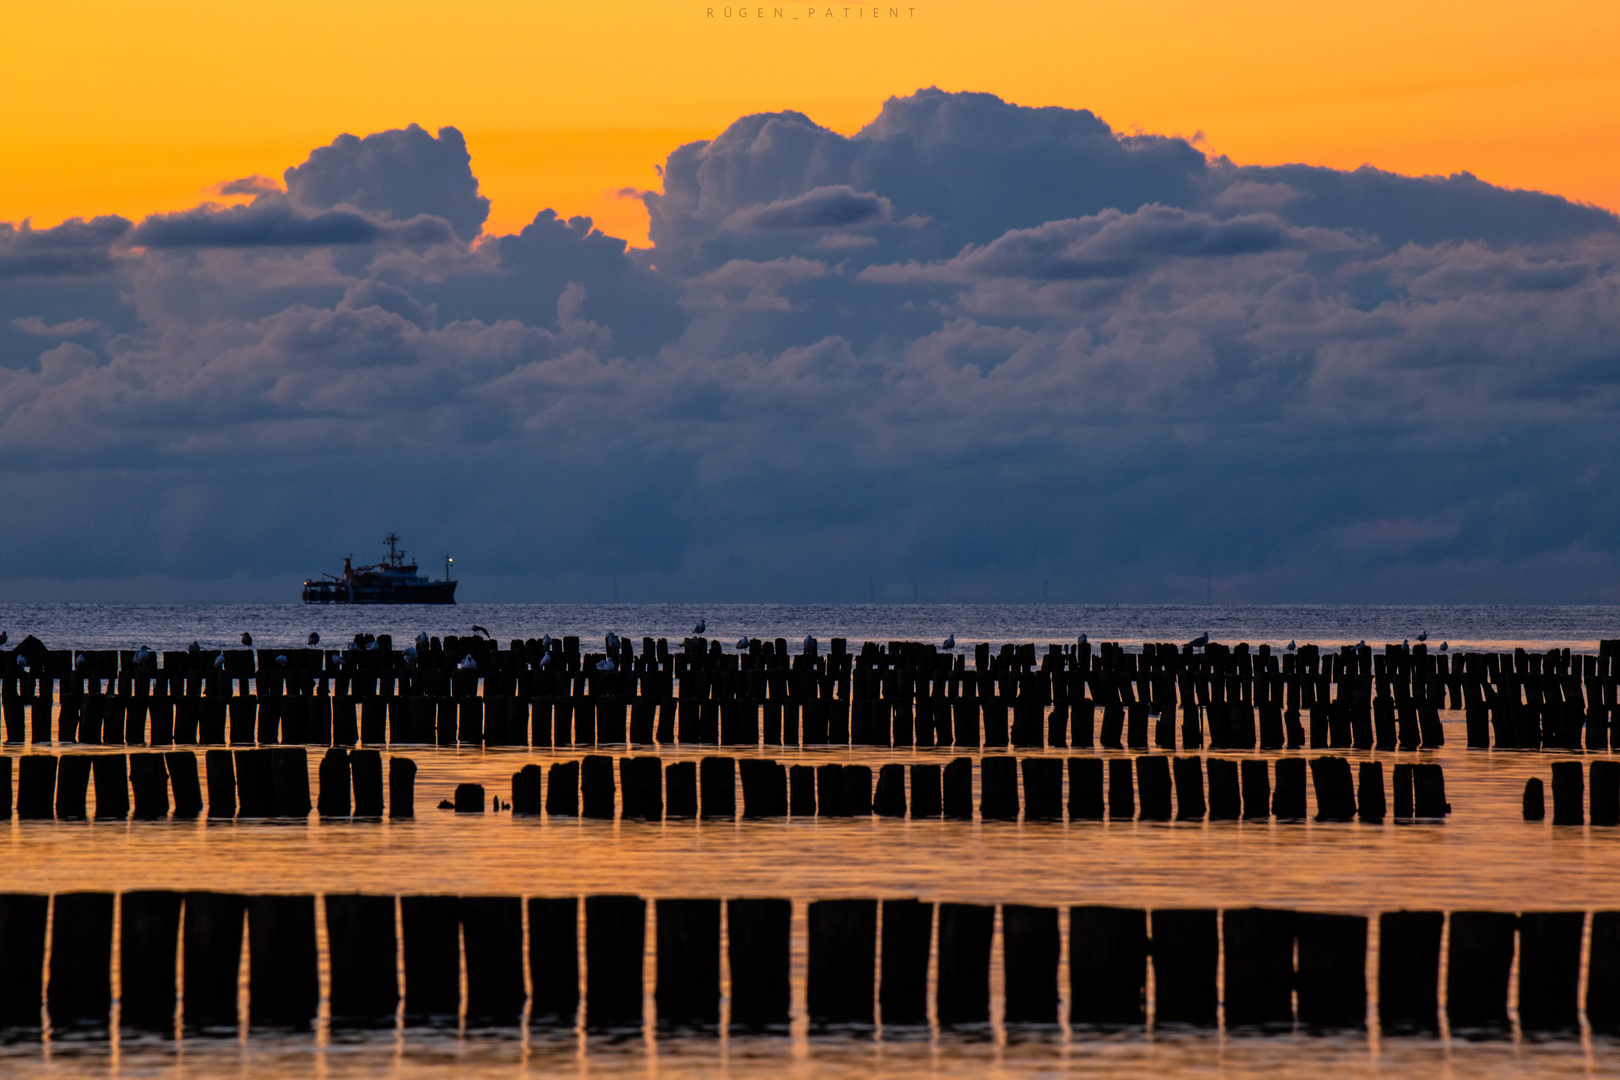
702	625
1423	635
193	648
314	638
1084	640
742	644
1200	641
950	643
1290	647
809	643
479	630
612	642
247	638
219	661
467	663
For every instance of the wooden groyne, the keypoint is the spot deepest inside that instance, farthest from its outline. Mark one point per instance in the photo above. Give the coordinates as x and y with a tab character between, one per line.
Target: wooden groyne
470	691
404	959
274	782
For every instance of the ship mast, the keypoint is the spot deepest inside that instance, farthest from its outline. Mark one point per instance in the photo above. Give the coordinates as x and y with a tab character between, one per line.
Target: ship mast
393	556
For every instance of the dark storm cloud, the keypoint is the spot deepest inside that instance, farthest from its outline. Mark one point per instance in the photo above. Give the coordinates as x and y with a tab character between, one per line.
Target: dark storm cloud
975	350
403	173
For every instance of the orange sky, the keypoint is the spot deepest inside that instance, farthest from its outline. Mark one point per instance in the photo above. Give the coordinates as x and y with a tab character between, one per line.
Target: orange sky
114	107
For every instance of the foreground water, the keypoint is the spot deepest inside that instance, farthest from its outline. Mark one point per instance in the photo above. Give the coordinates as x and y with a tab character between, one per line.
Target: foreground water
1483	856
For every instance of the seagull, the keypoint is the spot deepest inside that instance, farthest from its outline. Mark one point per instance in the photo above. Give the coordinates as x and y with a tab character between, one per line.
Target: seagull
142	655
219	661
467	663
22	661
371	646
410	654
78	660
2	637
1201	641
606	664
1423	636
1290	647
702	625
950	643
282	660
809	643
1445	646
1083	640
545	659
612	641
742	644
421	641
247	638
1406	643
193	648
314	638
480	630
545	643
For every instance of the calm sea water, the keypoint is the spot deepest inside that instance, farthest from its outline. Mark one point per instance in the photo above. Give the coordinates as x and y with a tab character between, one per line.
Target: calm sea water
1483	856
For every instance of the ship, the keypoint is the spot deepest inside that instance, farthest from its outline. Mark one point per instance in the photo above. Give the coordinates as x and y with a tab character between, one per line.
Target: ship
392	581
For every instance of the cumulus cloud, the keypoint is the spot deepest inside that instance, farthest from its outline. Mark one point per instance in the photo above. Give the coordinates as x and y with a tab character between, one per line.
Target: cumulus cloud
404	173
974	350
250	185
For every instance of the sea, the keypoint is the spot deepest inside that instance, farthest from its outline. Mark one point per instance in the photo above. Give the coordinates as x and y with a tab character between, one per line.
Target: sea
1483	856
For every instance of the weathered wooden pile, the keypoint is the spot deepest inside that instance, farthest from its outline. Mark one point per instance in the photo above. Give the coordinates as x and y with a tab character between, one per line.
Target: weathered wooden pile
1242	968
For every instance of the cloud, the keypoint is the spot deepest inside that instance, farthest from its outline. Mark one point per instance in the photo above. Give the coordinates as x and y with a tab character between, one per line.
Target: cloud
404	173
250	185
72	249
264	223
838	206
975	350
33	324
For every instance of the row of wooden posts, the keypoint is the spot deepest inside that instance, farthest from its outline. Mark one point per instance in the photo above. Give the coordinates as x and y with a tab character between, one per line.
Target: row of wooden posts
274	782
902	693
267	782
868	963
1137	789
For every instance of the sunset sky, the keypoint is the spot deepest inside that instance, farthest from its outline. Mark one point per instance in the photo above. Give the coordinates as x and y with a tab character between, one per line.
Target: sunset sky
123	108
975	300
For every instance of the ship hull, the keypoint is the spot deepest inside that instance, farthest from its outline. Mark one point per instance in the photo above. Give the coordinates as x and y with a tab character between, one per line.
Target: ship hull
435	592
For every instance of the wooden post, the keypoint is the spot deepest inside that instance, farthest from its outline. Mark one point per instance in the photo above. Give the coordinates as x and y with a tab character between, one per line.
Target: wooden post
1108	949
1479	962
643	781
212	952
1225	793
1030	958
1186	953
687	994
1153	781
1332	978
759	935
22	960
283	986
1189	777
289	767
1257	788
401	787
1603	973
148	937
182	768
1409	971
366	768
554	961
149	777
1121	790
890	798
1335	791
36	786
680	790
469	799
908	927
718	778
221	783
1085	789
1289	802
255	783
72	785
80	993
1259	967
362	948
526	790
615	938
998	789
432	940
963	994
1370	803
1550	970
957	785
492	938
842	958
562	789
1429	789
596	787
1043	788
